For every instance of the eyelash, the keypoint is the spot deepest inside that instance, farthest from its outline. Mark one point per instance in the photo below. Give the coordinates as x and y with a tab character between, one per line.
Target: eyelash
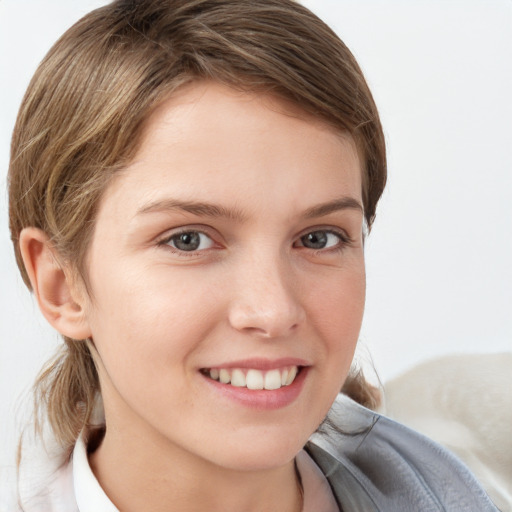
344	241
165	242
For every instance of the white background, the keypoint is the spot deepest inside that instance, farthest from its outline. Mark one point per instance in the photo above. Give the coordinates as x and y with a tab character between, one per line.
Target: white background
439	257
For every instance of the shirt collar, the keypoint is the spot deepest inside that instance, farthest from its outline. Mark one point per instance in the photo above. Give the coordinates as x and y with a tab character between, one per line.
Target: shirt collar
90	497
318	494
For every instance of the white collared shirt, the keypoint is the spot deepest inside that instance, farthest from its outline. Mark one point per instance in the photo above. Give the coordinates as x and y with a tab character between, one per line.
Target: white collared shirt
90	497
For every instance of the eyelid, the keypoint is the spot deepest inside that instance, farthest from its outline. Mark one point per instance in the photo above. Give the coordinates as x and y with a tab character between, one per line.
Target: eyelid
164	239
345	238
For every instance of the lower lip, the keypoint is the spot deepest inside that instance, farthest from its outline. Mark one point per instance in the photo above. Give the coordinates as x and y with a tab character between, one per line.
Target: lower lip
261	399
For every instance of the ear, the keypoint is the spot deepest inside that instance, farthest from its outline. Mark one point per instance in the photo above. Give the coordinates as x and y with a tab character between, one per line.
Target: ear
58	296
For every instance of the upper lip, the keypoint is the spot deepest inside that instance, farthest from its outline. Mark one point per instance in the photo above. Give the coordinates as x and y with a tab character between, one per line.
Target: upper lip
262	363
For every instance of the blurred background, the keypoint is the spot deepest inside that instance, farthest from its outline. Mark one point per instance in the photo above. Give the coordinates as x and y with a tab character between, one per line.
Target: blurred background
438	259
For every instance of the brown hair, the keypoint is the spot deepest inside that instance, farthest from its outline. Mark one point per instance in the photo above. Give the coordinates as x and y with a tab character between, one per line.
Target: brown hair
83	113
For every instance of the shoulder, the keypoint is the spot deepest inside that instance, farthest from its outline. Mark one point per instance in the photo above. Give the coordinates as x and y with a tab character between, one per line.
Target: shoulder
376	464
8	499
44	481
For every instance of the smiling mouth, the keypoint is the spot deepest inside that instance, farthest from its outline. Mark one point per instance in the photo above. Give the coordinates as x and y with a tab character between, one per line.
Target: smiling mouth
254	379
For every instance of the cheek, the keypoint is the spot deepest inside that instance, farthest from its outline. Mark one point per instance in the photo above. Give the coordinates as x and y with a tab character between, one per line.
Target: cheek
153	317
338	304
336	313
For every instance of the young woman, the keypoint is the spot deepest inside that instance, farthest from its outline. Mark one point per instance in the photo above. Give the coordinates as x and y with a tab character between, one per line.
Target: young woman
191	182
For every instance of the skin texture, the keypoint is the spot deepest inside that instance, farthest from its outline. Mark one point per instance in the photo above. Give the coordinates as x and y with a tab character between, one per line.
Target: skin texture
158	315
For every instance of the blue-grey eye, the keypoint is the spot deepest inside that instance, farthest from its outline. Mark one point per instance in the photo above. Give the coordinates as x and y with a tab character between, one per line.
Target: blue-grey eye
190	241
320	239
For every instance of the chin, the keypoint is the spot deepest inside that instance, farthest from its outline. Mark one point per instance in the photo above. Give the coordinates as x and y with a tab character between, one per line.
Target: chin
262	450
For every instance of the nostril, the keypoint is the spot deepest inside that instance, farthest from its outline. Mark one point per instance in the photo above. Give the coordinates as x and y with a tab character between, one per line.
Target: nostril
267	322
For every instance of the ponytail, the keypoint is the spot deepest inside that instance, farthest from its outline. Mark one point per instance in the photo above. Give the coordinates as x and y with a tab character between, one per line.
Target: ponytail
65	391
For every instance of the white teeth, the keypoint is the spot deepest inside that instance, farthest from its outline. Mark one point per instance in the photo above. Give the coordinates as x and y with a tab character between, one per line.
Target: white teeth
273	379
238	378
224	376
255	379
291	375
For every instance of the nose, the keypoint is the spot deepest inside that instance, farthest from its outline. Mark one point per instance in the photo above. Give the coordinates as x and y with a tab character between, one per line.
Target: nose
266	301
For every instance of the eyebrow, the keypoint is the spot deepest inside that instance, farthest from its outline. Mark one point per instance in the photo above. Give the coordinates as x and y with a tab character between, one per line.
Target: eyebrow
214	210
343	203
194	207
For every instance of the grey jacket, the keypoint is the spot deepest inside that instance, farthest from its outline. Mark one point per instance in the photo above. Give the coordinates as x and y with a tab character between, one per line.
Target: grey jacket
375	464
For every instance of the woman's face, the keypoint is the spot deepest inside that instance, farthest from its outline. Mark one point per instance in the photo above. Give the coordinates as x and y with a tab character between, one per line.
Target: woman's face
229	249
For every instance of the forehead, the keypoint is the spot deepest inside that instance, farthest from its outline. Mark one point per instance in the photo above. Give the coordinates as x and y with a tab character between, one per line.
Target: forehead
220	105
209	138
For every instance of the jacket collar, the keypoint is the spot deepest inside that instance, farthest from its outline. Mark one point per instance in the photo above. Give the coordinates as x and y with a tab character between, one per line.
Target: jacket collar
376	464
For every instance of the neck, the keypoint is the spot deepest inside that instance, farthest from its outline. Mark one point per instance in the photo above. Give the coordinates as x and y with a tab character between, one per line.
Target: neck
144	473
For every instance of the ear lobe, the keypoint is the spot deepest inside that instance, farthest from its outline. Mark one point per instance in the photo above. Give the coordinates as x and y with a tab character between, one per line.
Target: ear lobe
56	293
